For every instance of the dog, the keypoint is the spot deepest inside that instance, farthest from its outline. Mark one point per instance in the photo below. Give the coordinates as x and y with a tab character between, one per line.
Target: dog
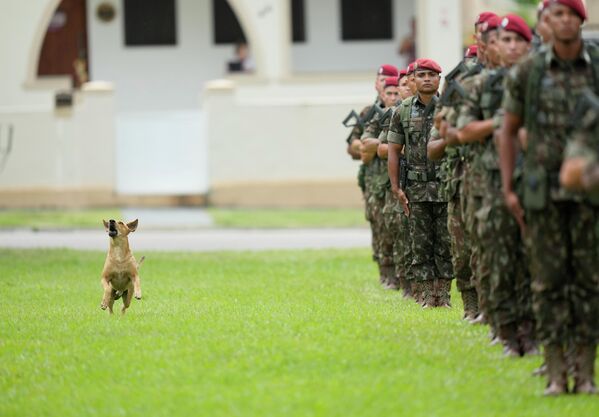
120	276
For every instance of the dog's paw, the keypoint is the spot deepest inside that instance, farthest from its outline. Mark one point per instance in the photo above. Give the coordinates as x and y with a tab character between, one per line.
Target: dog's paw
137	295
103	306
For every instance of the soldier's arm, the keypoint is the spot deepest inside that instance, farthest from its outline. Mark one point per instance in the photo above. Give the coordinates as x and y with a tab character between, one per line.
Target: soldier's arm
471	127
435	149
383	149
353	140
396	141
370	143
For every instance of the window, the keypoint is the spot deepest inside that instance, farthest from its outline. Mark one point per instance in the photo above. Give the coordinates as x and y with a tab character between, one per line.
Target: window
298	21
362	20
150	22
227	29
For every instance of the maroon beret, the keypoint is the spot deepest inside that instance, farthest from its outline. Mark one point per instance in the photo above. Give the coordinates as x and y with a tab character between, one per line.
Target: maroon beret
388	70
542	6
576	5
410	68
514	23
427	64
471	51
391	82
492	23
402	74
484	17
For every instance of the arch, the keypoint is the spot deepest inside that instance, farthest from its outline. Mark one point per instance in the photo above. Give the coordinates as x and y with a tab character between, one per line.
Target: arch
48	9
242	12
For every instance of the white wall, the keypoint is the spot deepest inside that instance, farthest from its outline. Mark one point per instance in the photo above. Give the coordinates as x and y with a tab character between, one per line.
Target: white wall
324	50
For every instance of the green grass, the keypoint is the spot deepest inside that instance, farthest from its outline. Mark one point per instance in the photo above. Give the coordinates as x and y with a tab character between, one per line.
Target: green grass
287	218
226	218
56	219
306	333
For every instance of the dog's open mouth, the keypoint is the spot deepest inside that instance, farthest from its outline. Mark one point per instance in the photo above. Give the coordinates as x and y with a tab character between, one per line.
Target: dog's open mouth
112	233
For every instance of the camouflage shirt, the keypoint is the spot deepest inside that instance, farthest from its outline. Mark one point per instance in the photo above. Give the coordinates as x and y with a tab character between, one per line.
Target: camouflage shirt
411	127
543	90
377	177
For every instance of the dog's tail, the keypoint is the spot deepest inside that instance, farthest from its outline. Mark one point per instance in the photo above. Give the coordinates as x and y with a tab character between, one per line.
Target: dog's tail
141	260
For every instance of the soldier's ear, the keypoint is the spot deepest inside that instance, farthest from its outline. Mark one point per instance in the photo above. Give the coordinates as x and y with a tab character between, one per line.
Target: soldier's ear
105	224
132	225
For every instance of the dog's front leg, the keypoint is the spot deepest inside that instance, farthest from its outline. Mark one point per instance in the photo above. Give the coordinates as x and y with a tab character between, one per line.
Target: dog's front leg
137	286
107	294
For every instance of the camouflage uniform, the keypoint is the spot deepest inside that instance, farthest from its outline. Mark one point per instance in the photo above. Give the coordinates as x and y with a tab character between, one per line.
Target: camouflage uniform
397	223
562	226
452	172
509	298
377	181
431	257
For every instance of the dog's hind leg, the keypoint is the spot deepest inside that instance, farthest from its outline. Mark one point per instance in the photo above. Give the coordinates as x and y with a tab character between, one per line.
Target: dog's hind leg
137	286
127	296
110	304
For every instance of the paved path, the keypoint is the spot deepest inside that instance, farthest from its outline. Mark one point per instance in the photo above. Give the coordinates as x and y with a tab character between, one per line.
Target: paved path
198	240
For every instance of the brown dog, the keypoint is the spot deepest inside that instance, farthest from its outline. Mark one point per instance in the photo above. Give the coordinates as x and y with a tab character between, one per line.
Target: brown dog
120	276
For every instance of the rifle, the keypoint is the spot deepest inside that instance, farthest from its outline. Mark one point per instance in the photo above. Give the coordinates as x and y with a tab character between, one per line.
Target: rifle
361	121
403	172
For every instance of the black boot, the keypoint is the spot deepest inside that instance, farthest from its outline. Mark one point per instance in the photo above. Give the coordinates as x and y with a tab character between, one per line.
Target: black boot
429	292
527	339
444	293
508	333
470	300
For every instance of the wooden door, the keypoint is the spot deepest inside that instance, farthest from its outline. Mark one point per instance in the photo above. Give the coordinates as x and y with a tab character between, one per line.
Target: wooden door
64	51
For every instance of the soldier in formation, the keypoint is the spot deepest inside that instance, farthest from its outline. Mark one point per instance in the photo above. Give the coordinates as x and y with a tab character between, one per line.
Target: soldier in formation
495	182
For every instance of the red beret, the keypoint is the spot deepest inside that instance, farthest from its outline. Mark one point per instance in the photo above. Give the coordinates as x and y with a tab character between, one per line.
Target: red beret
410	68
576	5
542	6
514	23
388	70
402	74
427	64
484	17
391	82
471	51
492	23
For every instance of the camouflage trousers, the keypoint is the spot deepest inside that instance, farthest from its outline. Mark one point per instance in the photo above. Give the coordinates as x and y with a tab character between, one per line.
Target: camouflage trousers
480	259
431	254
397	226
510	296
564	249
460	244
382	238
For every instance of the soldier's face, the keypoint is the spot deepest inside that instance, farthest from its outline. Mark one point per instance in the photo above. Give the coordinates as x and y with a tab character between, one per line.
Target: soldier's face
390	96
380	84
564	23
543	28
427	82
404	88
512	47
492	50
412	83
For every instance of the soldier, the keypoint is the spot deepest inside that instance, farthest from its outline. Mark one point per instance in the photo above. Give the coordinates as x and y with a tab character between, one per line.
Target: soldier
542	33
374	194
452	169
396	222
541	93
421	200
509	297
411	81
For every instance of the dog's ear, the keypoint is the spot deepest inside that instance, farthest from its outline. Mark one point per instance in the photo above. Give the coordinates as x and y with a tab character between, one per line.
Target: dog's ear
105	224
132	225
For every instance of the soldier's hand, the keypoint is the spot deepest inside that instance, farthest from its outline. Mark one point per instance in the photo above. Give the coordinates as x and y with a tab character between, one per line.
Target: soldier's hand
513	204
443	128
403	200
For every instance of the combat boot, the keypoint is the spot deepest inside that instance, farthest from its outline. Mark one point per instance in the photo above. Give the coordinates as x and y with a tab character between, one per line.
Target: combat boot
388	277
584	378
444	293
527	339
508	333
406	287
417	291
470	300
428	290
557	383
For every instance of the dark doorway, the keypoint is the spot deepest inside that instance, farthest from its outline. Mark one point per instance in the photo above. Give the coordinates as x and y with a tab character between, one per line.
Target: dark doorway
64	51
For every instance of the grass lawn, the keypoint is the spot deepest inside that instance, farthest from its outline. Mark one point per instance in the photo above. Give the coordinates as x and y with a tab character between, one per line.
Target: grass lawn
235	218
306	333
